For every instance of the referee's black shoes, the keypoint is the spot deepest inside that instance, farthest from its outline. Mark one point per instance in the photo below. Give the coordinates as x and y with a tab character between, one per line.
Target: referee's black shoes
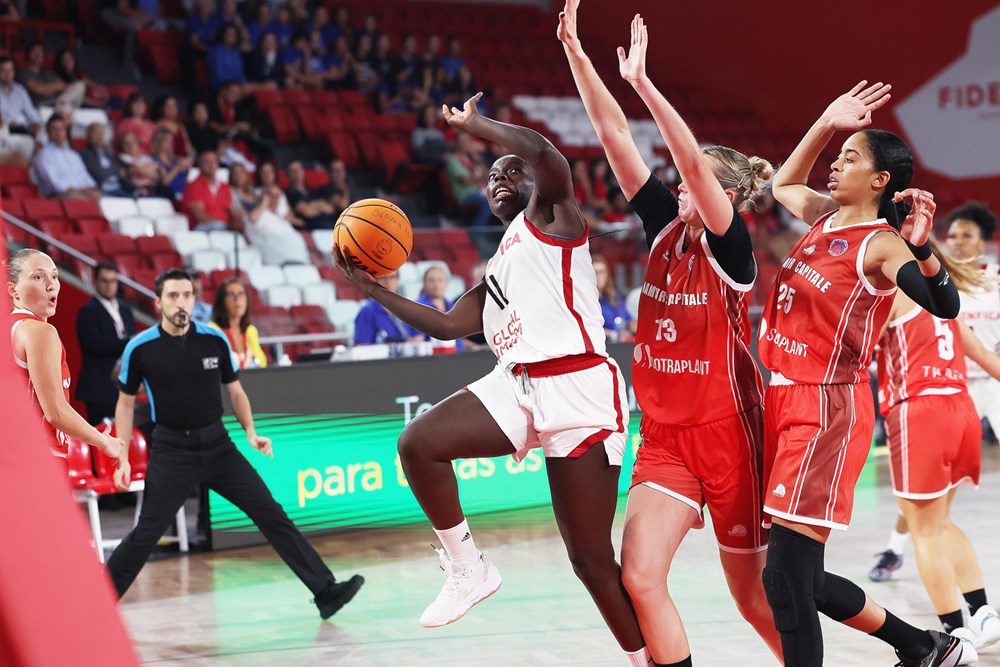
947	652
336	595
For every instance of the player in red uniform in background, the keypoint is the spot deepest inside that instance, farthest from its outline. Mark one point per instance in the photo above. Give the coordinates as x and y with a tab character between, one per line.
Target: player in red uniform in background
829	303
33	287
699	388
934	437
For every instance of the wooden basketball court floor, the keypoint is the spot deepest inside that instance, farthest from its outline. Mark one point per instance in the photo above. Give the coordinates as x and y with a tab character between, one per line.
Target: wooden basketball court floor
244	607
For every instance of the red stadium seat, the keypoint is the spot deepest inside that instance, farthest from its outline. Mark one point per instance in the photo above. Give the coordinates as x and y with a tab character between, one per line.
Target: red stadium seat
283	123
267	98
22	193
309	122
81	208
165	61
131	264
92	226
55	227
369	144
39	209
344	147
10	175
116	244
151	245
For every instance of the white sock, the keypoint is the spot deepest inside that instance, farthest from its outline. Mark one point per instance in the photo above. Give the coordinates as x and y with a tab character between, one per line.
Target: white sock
640	658
458	543
897	542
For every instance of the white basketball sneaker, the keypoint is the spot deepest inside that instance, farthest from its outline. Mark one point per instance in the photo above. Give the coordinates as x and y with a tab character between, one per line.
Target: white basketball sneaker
986	624
466	586
968	637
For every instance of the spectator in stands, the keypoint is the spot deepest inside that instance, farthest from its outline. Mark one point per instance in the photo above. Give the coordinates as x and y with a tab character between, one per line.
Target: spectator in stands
242	189
9	11
381	59
430	59
102	164
342	19
321	23
203	27
44	86
267	221
134	120
494	151
199	129
454	60
231	117
284	26
338	190
463	86
365	76
618	323
230	15
231	314
59	170
171	171
467	177
619	212
600	176
310	207
104	326
374	324
131	16
407	63
265	63
142	171
427	142
583	190
304	63
389	98
68	70
299	10
166	115
263	23
225	59
202	310
369	29
19	114
341	66
435	284
208	202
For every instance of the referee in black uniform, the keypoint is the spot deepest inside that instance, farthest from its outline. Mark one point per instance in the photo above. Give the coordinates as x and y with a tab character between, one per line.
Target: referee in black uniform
182	363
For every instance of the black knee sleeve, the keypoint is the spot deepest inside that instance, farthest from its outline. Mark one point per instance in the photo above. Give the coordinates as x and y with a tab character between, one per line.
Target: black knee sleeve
839	598
789	578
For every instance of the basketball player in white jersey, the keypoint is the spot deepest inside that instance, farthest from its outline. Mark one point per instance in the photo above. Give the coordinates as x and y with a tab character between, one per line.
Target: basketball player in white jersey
554	386
970	226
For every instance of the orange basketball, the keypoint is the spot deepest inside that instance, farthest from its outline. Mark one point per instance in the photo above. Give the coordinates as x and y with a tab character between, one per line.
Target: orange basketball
375	235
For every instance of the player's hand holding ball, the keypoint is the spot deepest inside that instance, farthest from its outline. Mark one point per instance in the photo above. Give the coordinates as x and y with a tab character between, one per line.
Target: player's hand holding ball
372	238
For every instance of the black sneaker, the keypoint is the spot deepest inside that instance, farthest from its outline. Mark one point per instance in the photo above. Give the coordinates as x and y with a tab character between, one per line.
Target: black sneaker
947	652
336	595
888	562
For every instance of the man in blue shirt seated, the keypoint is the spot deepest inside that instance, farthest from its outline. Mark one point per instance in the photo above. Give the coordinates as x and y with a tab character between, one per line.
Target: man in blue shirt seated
59	169
375	324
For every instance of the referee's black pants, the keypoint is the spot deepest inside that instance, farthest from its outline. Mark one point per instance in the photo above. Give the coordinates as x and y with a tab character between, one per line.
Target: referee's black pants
181	460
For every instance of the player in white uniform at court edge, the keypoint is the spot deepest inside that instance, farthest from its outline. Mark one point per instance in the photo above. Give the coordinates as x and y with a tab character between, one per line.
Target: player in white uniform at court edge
554	386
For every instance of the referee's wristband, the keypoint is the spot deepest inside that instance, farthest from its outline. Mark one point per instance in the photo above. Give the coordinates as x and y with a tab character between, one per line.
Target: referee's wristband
920	252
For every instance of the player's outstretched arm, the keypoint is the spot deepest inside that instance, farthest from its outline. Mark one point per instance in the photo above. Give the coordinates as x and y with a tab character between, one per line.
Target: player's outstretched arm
464	319
707	195
851	111
553	180
605	114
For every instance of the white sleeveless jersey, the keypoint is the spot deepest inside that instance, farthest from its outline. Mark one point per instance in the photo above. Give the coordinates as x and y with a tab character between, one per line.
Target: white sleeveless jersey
981	311
542	300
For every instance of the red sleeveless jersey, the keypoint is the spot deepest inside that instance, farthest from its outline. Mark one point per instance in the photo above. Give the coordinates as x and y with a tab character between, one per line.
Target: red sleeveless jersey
919	355
58	441
692	363
823	317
